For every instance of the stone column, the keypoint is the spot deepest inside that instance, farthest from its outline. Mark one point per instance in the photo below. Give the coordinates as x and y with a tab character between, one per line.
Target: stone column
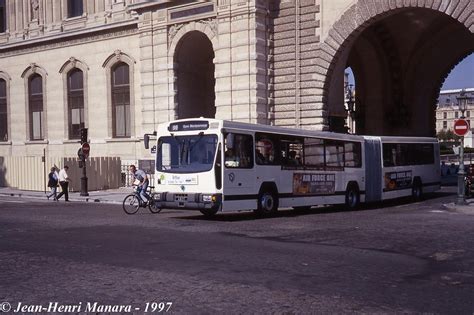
57	12
48	11
26	13
11	14
154	69
90	7
260	63
295	85
19	16
63	9
223	65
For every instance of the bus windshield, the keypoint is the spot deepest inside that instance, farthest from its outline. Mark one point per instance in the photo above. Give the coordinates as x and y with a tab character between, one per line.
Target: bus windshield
186	154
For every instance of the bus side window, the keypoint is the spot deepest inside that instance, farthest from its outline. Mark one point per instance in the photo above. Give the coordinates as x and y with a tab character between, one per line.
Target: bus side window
334	154
239	154
389	155
352	154
266	149
291	152
314	153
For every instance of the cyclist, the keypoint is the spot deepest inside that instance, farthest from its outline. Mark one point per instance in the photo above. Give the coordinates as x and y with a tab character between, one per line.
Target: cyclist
141	176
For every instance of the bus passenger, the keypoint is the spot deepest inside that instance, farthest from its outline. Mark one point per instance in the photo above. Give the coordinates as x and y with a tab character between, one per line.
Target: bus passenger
259	156
292	160
231	159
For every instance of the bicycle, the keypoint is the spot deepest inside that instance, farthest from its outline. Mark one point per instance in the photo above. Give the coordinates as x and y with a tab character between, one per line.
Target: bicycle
133	202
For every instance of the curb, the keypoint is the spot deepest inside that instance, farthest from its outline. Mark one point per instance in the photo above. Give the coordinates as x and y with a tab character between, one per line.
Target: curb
90	200
467	209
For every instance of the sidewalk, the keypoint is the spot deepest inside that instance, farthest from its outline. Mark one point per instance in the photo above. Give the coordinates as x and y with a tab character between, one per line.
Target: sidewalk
114	196
468	208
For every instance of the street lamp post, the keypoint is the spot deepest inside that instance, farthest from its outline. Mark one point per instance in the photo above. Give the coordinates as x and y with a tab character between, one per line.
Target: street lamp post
350	106
462	104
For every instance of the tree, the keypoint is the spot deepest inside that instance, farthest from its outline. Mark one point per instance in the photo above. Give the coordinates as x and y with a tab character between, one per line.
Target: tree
447	136
450	135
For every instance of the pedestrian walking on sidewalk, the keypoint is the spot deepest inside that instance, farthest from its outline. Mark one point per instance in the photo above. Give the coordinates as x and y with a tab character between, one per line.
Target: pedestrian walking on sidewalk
64	182
53	180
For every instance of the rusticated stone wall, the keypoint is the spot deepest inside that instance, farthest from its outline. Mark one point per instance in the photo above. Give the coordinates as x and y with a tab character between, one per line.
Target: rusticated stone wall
293	75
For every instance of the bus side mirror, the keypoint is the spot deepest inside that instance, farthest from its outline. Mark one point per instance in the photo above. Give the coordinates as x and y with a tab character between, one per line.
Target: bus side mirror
146	141
229	141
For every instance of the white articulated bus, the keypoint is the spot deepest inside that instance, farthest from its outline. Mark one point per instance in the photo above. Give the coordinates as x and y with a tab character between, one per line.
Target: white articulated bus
217	165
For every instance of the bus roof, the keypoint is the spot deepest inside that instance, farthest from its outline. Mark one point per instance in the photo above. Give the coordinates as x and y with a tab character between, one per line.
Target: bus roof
228	124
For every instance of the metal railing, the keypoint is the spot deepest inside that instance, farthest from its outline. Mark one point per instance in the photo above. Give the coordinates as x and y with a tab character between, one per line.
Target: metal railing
127	178
454	158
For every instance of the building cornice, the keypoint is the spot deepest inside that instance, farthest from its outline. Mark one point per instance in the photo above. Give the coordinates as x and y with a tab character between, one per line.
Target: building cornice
67	36
118	30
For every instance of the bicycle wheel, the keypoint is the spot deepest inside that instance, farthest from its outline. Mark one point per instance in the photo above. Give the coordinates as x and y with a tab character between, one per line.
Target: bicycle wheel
131	204
153	206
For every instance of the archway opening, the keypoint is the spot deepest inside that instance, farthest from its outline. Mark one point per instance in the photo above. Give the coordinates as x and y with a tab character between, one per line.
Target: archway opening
400	61
194	66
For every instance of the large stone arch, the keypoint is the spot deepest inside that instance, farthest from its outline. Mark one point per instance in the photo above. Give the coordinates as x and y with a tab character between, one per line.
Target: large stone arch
178	31
365	16
193	53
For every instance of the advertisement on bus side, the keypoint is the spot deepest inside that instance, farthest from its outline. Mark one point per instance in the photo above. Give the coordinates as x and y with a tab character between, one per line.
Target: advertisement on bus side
314	184
398	180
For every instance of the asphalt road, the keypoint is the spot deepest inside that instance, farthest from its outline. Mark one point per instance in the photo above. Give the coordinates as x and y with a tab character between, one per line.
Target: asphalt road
399	258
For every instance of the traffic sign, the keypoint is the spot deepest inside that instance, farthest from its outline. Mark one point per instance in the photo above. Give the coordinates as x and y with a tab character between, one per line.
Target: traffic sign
86	148
461	127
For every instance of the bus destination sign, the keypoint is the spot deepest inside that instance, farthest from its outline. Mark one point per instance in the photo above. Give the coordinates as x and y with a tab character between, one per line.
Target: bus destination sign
189	125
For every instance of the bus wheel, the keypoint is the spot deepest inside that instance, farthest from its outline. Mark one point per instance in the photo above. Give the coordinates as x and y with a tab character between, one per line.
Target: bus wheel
209	212
416	191
352	197
267	203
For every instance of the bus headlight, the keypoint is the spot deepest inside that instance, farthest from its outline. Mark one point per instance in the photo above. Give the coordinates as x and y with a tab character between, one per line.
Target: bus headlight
209	198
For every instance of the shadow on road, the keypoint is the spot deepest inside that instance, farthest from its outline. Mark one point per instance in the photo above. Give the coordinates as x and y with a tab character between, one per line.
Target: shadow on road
249	215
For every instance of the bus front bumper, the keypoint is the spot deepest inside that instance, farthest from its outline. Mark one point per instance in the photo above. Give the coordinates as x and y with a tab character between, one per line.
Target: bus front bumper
192	201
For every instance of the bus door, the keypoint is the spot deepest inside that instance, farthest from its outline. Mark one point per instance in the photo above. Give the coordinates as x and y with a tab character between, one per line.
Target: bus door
373	169
239	172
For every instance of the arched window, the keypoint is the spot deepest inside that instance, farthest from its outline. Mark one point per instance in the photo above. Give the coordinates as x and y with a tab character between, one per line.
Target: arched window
3	111
121	100
75	100
35	98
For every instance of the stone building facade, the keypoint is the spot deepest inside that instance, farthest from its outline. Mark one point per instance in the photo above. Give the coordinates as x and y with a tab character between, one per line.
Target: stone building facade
448	110
120	67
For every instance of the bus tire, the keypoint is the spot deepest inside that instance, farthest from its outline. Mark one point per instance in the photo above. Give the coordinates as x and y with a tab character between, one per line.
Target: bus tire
267	203
352	196
417	190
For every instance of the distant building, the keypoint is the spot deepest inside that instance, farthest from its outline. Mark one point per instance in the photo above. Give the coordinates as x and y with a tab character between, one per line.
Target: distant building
447	111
